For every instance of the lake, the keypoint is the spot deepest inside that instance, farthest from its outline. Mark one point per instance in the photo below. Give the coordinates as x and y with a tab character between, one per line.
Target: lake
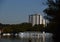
48	38
19	40
22	40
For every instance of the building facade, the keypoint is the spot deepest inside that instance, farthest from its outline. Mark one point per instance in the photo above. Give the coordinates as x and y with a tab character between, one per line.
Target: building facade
36	19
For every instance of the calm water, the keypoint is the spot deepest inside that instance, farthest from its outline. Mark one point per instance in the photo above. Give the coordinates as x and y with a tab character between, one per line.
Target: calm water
18	39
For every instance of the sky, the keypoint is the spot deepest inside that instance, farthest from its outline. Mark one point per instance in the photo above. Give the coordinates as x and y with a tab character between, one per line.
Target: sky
17	11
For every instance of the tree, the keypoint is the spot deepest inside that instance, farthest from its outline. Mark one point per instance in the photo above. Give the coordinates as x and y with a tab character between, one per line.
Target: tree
53	10
39	27
1	25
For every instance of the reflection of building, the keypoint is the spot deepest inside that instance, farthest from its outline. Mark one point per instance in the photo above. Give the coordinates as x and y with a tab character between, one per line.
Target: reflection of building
37	36
36	19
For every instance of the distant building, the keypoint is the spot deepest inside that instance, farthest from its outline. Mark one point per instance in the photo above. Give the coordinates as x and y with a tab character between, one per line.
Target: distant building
36	19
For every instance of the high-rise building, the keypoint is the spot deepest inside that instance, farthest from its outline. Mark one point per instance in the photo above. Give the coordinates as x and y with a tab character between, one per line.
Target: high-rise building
36	19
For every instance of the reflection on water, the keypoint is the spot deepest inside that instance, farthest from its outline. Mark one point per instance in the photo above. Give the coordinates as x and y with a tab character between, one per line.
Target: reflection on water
28	37
18	39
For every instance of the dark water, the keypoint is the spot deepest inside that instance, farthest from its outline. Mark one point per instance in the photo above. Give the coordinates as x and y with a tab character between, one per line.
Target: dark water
18	39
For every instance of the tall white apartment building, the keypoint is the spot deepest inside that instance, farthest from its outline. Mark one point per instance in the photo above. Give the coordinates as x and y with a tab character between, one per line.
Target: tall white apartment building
36	19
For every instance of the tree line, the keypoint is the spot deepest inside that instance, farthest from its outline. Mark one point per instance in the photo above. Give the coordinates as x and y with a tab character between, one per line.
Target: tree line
16	28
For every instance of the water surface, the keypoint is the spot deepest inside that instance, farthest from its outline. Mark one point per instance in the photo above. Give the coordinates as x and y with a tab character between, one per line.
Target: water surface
18	39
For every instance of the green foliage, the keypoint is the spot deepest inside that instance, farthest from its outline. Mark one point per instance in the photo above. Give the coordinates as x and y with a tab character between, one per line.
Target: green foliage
39	27
53	10
16	28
